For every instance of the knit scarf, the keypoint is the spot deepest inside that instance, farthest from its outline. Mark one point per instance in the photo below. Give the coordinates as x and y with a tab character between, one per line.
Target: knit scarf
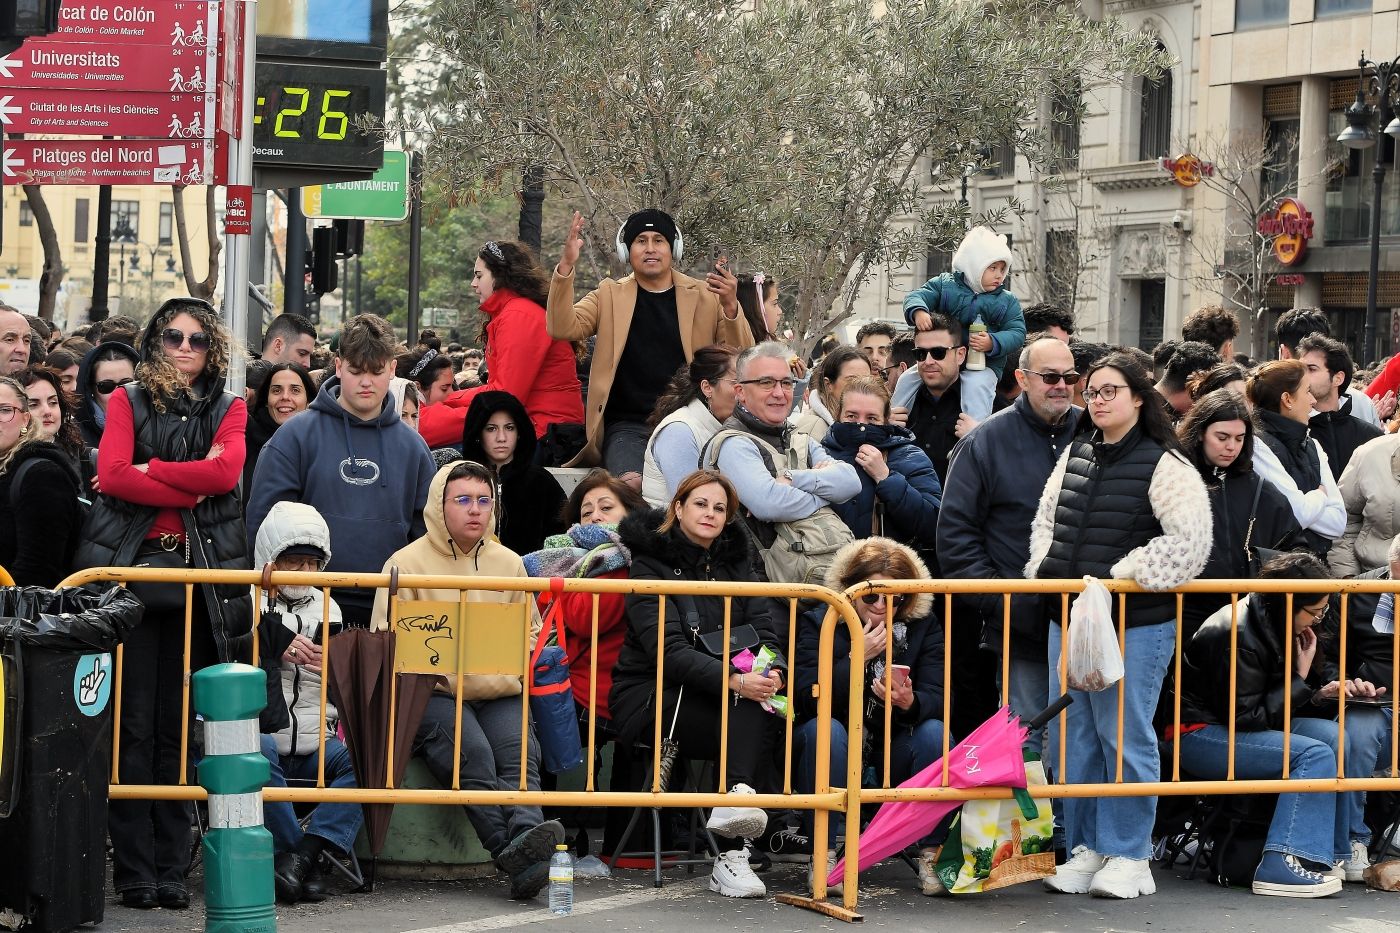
746	421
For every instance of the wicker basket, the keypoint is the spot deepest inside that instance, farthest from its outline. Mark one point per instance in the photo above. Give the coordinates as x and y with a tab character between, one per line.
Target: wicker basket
1019	868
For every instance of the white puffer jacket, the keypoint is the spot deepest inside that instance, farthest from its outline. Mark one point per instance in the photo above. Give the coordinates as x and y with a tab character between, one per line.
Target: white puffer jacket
288	524
1370	487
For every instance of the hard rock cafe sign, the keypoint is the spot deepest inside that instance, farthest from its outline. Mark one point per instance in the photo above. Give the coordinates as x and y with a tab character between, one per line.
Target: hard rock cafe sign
1291	227
1187	170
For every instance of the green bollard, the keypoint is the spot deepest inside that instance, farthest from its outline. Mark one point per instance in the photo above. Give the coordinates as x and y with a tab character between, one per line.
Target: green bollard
238	876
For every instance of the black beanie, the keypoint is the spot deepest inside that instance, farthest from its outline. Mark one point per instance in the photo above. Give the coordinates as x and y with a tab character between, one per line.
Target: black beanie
649	219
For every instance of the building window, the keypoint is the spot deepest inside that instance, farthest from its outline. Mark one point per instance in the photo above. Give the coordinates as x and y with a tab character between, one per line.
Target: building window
1350	190
1152	306
1064	125
1325	8
167	224
80	220
1061	266
26	216
1000	159
1155	138
1257	14
126	219
1280	172
938	261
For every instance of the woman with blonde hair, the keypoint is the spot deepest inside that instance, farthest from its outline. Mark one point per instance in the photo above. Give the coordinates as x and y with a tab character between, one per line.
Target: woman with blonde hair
39	517
171	458
911	630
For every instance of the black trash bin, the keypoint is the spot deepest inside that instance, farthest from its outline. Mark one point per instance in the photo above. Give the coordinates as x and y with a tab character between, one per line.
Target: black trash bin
57	665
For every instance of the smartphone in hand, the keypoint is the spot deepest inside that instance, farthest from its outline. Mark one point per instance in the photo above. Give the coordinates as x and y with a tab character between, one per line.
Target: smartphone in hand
899	673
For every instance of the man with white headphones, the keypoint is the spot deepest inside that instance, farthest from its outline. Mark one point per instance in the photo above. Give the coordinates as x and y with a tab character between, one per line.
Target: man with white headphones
648	324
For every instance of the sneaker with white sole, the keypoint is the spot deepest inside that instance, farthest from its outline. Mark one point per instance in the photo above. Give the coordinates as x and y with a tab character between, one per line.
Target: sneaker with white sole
786	844
1280	875
1075	875
832	890
1354	868
732	876
930	883
1123	878
738	822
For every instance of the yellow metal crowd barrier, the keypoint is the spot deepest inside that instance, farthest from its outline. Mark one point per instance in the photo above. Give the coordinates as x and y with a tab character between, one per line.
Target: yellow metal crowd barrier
824	800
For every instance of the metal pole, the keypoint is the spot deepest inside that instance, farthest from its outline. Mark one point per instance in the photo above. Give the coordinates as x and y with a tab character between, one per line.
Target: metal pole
240	172
358	286
531	225
257	266
1368	332
415	245
294	291
101	256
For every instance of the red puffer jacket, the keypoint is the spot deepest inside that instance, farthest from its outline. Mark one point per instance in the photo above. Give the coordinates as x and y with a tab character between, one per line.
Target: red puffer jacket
521	359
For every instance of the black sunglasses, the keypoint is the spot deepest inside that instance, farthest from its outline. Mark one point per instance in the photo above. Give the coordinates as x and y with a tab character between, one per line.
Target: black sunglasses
108	386
1053	379
172	338
871	599
936	352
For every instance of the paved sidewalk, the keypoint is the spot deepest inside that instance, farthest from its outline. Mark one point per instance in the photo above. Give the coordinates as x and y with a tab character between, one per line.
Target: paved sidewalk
890	900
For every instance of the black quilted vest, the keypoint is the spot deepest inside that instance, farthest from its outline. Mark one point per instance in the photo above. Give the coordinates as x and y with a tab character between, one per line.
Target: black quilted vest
1103	513
115	529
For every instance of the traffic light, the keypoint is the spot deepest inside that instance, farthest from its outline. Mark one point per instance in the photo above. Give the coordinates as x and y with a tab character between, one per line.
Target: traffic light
21	19
323	267
349	237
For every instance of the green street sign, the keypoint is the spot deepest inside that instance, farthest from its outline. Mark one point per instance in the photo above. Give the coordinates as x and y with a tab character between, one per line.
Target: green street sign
383	197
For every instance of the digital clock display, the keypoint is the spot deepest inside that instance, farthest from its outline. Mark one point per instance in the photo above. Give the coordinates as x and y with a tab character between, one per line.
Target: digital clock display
307	115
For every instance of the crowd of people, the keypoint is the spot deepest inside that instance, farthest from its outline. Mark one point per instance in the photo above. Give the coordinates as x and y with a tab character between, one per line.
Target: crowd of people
982	441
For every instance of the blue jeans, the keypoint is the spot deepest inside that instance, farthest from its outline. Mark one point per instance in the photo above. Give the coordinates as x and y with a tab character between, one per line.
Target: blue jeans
1116	826
337	823
1030	685
1368	751
910	753
1310	826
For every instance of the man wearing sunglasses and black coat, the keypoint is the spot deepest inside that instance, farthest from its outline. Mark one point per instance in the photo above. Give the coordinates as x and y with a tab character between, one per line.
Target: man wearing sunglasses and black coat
935	415
993	485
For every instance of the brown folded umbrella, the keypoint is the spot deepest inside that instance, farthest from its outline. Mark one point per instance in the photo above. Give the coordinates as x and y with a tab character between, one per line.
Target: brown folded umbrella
361	668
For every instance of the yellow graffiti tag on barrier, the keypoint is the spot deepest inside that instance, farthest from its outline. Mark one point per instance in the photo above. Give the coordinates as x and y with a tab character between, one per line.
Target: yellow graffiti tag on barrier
439	637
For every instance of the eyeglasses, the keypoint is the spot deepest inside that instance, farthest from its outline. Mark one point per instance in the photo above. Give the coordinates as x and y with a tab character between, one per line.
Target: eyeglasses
1053	379
8	412
936	352
481	502
1318	614
871	599
1106	392
173	338
768	382
108	386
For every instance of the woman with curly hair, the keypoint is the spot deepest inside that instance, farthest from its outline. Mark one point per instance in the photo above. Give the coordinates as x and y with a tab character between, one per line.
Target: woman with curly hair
51	409
521	357
169	465
39	518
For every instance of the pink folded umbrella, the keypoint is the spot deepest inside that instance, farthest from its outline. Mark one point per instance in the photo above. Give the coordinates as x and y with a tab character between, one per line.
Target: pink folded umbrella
990	757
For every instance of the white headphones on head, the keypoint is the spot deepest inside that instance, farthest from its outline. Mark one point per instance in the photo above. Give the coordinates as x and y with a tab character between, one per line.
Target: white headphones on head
624	252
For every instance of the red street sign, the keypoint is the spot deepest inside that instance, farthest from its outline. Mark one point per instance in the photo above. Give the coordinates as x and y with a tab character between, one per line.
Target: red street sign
110	113
238	210
40	63
232	22
107	162
182	24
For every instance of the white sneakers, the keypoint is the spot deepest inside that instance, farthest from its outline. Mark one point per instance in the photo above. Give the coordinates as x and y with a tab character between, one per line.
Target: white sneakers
832	890
1354	868
738	822
930	884
732	876
1087	872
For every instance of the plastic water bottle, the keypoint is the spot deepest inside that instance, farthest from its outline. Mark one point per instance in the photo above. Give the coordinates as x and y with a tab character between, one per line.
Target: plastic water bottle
976	359
561	882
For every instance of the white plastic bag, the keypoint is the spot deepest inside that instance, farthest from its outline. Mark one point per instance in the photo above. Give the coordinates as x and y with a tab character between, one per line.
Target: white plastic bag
1095	663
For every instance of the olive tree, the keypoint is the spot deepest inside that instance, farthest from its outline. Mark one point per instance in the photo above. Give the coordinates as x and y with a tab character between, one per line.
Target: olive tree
796	137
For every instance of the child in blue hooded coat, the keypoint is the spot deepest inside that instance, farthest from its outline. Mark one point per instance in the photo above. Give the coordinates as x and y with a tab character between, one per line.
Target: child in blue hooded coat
976	287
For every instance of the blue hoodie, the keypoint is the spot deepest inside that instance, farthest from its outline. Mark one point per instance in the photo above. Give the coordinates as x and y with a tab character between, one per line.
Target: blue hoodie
368	479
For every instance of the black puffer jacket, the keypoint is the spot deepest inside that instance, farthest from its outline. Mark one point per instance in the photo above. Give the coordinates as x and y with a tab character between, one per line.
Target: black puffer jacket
1104	512
531	498
1291	442
1340	434
920	647
1231	497
40	522
1369	652
670	555
1259	680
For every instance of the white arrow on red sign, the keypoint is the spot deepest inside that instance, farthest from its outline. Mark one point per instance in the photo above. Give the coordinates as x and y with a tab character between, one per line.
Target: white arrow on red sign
11	162
73	112
68	64
8	66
